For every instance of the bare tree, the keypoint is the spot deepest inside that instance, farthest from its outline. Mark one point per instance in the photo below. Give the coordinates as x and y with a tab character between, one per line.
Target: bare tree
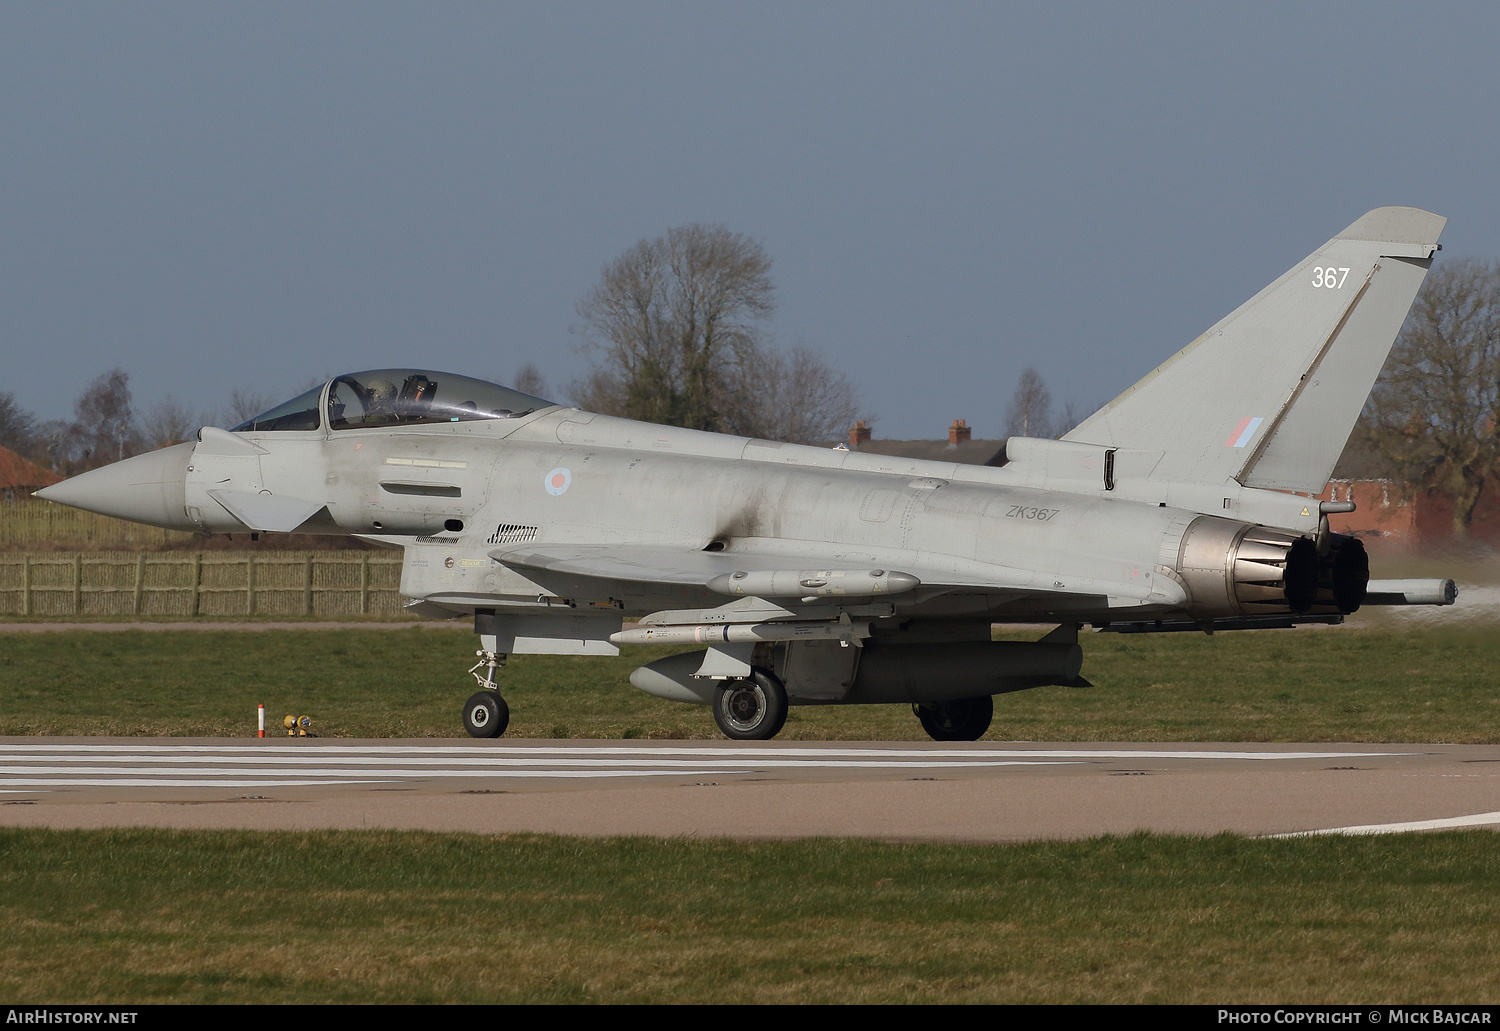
794	397
169	421
103	428
1434	414
678	325
1073	413
676	318
55	445
17	425
1030	412
529	381
245	405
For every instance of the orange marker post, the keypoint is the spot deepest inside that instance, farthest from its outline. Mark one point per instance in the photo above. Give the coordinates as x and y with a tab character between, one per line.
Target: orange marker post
262	717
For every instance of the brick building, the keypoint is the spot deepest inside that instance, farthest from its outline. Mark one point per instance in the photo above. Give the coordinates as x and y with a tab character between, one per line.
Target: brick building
18	477
1407	515
960	446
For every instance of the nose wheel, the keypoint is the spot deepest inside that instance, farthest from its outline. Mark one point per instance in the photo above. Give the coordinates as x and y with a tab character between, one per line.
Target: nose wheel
486	714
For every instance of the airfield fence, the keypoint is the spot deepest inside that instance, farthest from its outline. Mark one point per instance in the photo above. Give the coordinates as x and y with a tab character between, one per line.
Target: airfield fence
34	523
215	583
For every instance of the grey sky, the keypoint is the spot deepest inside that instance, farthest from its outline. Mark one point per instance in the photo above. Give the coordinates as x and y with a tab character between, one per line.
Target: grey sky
222	196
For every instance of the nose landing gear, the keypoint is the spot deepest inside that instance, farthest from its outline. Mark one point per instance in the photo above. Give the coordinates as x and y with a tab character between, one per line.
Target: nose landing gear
485	713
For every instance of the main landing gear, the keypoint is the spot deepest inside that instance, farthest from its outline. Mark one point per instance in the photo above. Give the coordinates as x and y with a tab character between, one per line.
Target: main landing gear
485	713
963	720
752	709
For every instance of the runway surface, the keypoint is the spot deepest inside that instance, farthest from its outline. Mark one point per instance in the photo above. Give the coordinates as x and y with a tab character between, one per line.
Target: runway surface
888	790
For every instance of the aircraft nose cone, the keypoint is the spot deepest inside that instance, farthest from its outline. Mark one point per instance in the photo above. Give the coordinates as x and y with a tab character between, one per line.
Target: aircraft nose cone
148	488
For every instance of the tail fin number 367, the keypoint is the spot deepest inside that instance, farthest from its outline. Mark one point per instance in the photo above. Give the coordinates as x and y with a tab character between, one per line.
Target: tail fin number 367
1332	278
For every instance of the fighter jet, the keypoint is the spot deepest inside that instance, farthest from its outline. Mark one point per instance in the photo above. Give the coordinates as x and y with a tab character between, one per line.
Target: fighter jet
817	576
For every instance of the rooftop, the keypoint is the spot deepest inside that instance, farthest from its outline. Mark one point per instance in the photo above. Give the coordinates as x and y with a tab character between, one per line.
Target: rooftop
17	473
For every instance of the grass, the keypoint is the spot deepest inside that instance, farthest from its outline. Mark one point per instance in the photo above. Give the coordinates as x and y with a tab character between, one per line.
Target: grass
151	916
219	917
1339	684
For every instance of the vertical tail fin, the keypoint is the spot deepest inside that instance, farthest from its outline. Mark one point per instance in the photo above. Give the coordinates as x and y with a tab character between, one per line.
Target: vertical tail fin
1270	395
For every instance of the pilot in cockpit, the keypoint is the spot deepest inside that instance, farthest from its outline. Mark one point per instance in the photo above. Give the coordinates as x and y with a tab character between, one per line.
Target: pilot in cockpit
380	402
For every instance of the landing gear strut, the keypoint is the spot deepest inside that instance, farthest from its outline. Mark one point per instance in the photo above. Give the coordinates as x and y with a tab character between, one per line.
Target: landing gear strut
485	713
963	720
752	709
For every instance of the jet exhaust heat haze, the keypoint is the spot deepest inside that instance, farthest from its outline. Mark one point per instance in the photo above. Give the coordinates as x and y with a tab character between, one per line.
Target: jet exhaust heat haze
814	576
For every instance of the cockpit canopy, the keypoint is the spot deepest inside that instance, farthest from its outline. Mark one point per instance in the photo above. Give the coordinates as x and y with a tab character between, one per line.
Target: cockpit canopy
396	397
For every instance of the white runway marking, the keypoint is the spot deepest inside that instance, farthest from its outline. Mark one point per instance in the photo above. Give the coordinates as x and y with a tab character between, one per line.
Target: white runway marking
239	782
1477	820
147	764
545	767
749	754
541	758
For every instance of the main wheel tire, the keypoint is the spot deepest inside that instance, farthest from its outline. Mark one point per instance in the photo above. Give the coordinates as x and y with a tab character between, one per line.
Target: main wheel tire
964	720
753	709
486	714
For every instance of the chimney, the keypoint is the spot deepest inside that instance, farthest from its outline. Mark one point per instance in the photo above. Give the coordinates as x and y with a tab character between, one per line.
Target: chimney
858	433
959	432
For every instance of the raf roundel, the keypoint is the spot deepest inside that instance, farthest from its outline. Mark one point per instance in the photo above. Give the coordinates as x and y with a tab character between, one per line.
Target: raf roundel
557	481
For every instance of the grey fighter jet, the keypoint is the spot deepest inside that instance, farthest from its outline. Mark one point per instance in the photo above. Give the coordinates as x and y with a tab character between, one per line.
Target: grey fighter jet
813	576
